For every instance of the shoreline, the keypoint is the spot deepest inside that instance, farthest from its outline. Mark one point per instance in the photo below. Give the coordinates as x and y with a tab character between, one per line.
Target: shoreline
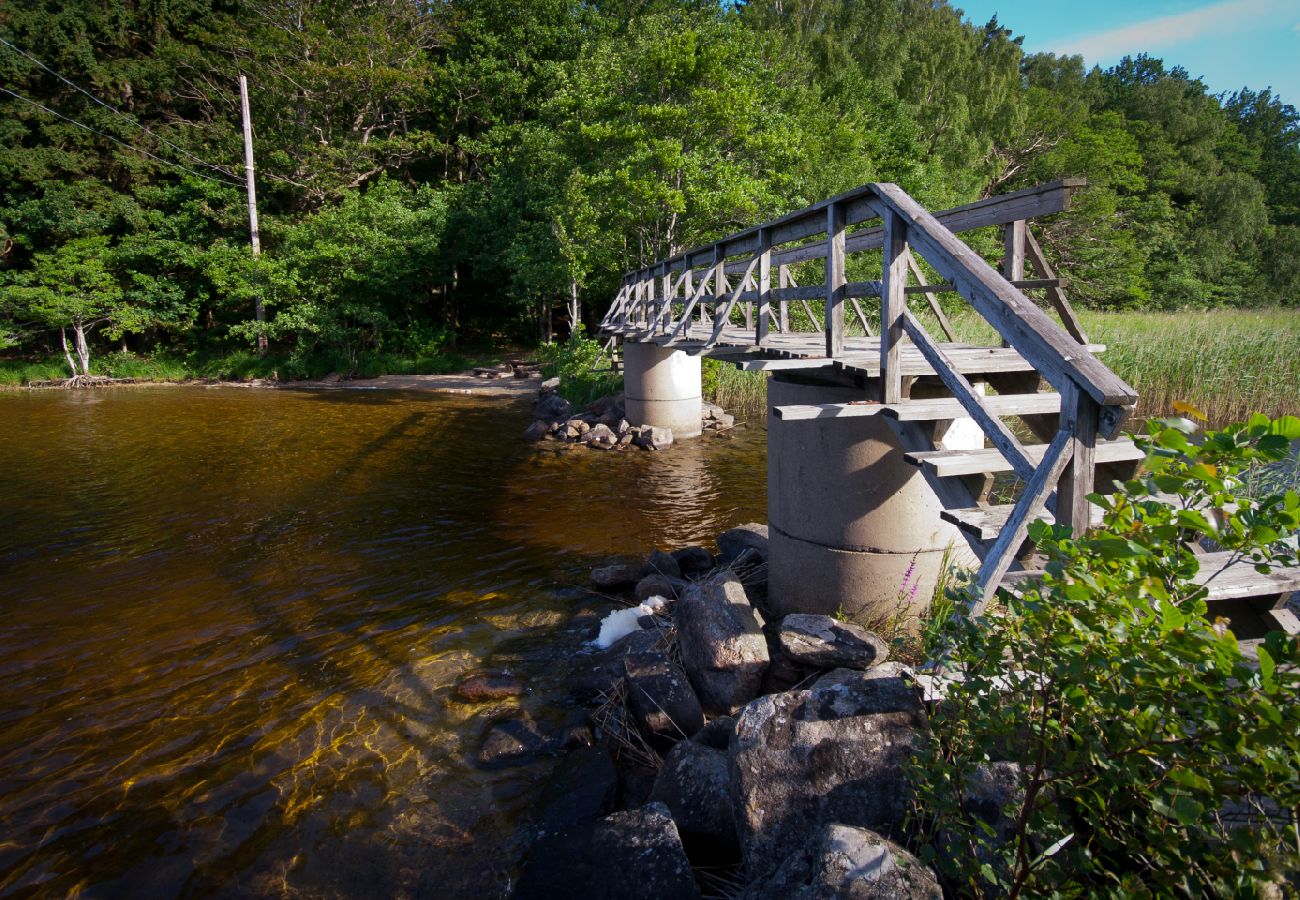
463	383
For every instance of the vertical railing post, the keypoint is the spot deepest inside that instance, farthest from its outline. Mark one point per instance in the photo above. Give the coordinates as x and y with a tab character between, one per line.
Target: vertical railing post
835	280
764	285
893	303
783	279
719	279
669	294
1079	414
1013	256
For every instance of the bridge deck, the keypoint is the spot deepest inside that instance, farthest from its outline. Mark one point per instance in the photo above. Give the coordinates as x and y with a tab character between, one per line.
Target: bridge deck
861	355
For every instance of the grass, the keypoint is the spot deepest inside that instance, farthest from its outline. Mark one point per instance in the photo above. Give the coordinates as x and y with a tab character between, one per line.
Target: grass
237	366
1229	363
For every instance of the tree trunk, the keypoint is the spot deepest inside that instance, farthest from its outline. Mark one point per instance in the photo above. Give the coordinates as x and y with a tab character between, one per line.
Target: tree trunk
63	336
575	309
83	350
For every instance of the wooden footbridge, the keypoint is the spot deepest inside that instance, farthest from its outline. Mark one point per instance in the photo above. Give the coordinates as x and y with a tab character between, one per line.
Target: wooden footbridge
737	300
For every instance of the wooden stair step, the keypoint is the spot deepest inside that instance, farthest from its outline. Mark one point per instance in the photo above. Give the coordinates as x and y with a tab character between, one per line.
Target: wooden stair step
1225	579
923	410
985	522
948	463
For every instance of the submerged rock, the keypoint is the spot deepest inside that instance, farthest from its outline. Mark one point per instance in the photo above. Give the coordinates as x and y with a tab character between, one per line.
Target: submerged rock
510	741
722	644
652	437
631	855
693	561
581	789
485	687
612	577
536	431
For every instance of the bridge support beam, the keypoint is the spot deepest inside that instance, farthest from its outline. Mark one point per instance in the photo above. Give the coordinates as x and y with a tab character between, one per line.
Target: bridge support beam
853	526
662	387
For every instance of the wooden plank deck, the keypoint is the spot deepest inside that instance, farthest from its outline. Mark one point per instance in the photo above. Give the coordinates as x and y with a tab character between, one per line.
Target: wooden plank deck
808	350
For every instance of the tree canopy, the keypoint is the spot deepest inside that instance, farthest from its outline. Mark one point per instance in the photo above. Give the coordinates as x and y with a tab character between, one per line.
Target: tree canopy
478	167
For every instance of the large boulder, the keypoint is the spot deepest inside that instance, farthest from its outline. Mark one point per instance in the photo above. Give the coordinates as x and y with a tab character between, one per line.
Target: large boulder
511	740
552	407
661	563
833	753
652	437
593	677
693	784
581	789
600	437
660	698
631	855
821	642
848	863
655	586
722	644
693	561
539	429
735	541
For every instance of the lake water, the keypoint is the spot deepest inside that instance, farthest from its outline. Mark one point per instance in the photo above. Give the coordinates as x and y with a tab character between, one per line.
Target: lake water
231	622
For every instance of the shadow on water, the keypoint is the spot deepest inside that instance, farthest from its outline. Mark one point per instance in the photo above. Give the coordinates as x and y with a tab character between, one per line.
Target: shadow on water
241	680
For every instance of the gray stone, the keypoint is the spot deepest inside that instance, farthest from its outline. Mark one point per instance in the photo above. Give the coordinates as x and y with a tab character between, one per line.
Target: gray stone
510	741
600	436
693	784
660	698
723	420
539	429
632	855
848	863
551	384
735	541
652	437
613	577
716	733
593	677
722	644
580	426
833	753
580	789
625	440
552	407
709	411
823	642
662	563
655	586
624	427
693	561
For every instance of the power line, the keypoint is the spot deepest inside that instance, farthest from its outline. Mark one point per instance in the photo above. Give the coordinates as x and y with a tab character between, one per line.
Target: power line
122	143
113	109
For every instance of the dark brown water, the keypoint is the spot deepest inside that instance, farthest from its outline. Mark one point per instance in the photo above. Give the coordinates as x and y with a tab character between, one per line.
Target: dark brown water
231	622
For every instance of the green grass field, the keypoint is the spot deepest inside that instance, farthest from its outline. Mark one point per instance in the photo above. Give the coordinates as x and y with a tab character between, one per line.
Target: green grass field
1229	363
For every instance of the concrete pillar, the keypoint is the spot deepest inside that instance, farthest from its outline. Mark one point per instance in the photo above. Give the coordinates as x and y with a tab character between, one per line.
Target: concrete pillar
848	516
662	387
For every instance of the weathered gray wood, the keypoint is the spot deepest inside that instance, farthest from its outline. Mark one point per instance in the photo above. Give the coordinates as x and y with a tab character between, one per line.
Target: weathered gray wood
835	280
893	306
975	404
1053	352
764	285
784	282
930	297
985	523
933	410
1025	284
1013	245
1079	418
1055	293
1030	505
1222	573
772	365
724	314
953	463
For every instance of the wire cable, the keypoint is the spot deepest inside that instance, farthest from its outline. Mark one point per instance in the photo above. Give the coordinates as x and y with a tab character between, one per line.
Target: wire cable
122	143
113	109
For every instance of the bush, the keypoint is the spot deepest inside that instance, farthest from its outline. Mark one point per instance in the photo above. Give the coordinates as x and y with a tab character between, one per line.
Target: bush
1153	758
573	361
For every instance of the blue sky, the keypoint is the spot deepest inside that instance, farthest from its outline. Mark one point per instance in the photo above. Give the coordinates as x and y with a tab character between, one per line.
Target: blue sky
1228	44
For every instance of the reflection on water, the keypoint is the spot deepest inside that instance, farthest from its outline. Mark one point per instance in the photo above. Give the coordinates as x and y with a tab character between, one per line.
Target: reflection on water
230	622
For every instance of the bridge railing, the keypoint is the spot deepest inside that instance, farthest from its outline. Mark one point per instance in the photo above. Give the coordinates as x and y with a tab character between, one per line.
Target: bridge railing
669	299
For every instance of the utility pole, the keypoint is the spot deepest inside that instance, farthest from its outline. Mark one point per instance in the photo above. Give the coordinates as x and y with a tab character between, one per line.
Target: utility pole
259	312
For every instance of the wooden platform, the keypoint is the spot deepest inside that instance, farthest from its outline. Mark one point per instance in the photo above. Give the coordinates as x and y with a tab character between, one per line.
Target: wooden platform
800	350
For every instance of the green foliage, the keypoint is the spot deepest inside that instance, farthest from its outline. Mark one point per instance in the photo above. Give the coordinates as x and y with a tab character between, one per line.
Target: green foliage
1154	758
572	362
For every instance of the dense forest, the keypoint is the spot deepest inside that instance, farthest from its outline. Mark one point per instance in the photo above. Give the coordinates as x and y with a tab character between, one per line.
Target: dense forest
434	174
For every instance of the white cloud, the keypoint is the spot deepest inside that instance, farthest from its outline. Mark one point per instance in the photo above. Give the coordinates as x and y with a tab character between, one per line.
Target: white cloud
1167	31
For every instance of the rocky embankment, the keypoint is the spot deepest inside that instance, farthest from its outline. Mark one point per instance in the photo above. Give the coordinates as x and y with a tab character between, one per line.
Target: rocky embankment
601	425
728	752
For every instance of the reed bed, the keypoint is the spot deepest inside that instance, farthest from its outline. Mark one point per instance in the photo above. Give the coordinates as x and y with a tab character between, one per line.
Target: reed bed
1229	363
